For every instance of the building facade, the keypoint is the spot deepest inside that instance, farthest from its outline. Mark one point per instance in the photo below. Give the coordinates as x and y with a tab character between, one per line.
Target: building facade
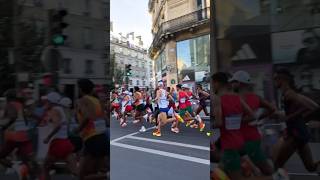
129	49
261	36
180	47
84	52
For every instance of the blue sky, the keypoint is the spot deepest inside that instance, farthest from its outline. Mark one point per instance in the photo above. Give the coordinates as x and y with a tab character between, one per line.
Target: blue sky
132	15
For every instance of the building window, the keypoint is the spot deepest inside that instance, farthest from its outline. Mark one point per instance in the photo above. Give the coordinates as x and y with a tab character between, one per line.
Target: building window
89	67
130	82
67	65
138	82
144	83
88	36
193	58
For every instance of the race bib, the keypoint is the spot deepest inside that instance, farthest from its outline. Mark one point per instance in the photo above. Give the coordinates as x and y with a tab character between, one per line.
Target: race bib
183	100
233	122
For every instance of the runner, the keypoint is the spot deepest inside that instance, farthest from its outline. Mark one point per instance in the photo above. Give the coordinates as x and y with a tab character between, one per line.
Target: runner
115	105
241	83
229	110
60	147
139	108
92	129
163	103
199	122
16	135
203	96
297	136
126	109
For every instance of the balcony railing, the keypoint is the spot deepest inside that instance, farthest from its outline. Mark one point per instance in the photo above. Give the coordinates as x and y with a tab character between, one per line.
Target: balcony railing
180	23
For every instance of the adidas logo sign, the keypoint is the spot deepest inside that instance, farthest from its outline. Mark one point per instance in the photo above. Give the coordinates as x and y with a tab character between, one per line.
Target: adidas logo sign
245	53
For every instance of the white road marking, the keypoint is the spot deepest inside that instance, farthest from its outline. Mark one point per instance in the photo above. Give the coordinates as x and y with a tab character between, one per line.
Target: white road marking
170	143
128	135
163	153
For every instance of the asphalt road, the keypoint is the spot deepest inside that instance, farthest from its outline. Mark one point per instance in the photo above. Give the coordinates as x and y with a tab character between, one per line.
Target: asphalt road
142	156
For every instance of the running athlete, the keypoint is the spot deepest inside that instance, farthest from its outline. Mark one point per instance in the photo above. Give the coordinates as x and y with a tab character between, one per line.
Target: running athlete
297	136
126	108
229	111
203	96
16	133
139	108
190	112
241	83
60	147
115	105
92	129
163	103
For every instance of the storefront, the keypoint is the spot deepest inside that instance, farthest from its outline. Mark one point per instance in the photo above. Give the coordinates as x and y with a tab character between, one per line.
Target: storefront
260	36
193	59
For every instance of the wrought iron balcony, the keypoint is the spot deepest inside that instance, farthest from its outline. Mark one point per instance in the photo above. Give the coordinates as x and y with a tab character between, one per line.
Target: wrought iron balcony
181	23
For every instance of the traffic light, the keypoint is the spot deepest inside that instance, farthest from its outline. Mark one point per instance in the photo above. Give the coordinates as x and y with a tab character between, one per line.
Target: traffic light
128	70
57	25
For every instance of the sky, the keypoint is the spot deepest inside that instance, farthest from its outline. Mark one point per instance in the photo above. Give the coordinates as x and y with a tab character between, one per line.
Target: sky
132	16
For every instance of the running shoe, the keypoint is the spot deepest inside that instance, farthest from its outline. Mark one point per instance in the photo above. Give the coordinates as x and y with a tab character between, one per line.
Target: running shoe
202	125
175	130
136	121
142	129
281	174
189	123
156	133
178	117
194	126
124	124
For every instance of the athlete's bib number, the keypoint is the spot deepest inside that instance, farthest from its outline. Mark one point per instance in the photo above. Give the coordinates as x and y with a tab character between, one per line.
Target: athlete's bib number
183	100
233	122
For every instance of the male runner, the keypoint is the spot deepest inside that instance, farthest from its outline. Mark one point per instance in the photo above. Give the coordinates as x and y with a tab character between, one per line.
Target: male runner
297	137
241	83
163	103
139	108
229	111
92	128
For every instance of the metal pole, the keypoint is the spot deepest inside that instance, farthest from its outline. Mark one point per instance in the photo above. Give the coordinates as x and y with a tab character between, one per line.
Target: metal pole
15	38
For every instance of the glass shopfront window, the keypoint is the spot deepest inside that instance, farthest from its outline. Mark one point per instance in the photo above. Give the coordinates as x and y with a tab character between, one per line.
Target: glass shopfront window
193	59
260	36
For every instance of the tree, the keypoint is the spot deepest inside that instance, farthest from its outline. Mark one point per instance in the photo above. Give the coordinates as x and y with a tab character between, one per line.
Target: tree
118	74
29	48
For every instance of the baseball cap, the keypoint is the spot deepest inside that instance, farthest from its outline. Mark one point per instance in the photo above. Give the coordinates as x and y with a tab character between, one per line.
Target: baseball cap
66	102
54	97
241	76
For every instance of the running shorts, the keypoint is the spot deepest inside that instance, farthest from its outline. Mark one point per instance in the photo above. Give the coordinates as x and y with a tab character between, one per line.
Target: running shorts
128	108
187	109
76	142
165	110
140	107
231	160
254	151
60	148
299	131
97	146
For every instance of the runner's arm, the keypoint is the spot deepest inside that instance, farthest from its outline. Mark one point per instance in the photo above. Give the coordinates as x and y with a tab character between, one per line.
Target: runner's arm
87	109
56	120
217	111
249	115
271	109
